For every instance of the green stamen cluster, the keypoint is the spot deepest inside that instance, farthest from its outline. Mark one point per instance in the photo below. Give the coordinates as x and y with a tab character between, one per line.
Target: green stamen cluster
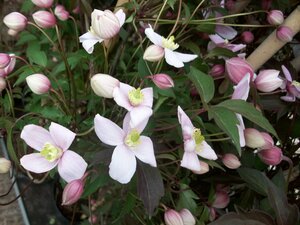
198	137
133	139
50	152
169	43
136	96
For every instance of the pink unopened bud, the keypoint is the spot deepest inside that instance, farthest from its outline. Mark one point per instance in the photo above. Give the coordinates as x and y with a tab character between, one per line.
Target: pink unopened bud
163	81
284	33
217	70
253	138
61	12
212	214
272	156
4	60
187	217
72	192
221	199
12	32
2	84
231	161
38	83
15	21
153	53
172	217
9	68
204	168
268	80
5	165
268	140
43	3
275	17
93	219
266	4
44	19
103	85
76	10
237	68
247	37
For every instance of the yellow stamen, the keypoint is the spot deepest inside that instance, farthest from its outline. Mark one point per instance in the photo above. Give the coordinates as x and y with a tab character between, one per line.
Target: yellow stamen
169	43
198	138
133	139
50	152
296	83
136	96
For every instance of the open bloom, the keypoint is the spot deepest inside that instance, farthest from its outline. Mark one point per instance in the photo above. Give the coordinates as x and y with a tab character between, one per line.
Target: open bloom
53	151
291	86
129	144
194	144
137	101
218	41
167	46
105	25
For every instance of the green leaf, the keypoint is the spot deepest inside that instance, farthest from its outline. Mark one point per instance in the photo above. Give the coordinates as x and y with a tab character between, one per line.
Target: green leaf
187	199
93	186
206	28
250	112
220	52
128	206
204	84
171	3
142	68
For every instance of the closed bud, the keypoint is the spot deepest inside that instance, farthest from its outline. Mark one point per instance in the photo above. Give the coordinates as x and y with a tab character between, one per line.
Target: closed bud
231	161
187	217
15	21
43	3
271	156
217	70
38	83
163	81
275	17
2	84
204	168
9	68
153	53
61	12
4	60
221	199
247	37
44	19
253	138
12	32
72	192
93	219
4	165
284	33
103	85
237	68
268	140
172	217
212	214
268	80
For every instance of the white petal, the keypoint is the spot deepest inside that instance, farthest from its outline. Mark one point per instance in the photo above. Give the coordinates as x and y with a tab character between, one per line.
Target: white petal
144	151
36	163
123	164
216	39
241	90
226	32
177	59
189	145
190	161
148	97
62	136
121	16
139	117
206	151
185	122
120	95
88	41
154	37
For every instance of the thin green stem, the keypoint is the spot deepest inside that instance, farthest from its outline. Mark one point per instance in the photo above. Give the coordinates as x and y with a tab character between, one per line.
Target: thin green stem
76	31
10	98
85	132
160	12
44	33
218	139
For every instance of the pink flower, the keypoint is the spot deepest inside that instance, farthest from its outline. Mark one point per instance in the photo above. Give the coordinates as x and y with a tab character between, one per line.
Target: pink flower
61	12
291	86
43	3
167	46
15	21
194	144
137	101
172	217
187	217
4	60
105	25
247	37
221	199
275	17
73	191
129	146
53	151
284	33
218	41
271	156
237	68
268	80
163	81
38	83
231	161
9	68
217	70
44	19
254	138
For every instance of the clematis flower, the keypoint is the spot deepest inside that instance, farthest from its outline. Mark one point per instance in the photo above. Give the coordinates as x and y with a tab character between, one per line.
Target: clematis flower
292	87
218	41
9	68
105	25
137	101
52	147
194	144
129	146
167	46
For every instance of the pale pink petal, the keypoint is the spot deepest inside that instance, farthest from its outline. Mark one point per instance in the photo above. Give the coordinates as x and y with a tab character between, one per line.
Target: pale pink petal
139	115
286	73
36	163
36	136
226	32
205	151
127	124
189	145
235	47
62	136
241	90
123	164
185	122
144	151
241	128
288	98
71	166
121	16
211	45
88	41
107	131
120	95
190	161
216	39
148	97
154	37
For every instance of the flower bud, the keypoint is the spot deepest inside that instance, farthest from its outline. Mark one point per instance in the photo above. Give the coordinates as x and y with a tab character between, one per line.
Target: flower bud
269	143
103	85
217	70
268	80
72	192
61	12
231	161
2	84
272	156
5	165
12	32
15	21
93	219
187	217
247	37
9	68
284	33
153	53
43	3
253	138
76	10
221	199
275	17
44	19
212	214
4	60
38	83
237	68
204	168
163	81
172	217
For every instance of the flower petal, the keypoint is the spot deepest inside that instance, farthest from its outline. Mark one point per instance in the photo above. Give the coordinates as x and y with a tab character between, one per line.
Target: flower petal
88	41
36	136
190	161
185	122
71	166
144	151
36	163
189	145
127	124
226	32
120	95
154	37
206	151
241	90
185	57
148	97
286	73
177	59
123	164
139	117
216	39
107	131
121	16
62	136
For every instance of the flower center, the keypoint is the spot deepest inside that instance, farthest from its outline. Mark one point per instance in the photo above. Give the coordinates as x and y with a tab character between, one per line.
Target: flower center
169	43
133	139
198	138
296	83
136	96
50	152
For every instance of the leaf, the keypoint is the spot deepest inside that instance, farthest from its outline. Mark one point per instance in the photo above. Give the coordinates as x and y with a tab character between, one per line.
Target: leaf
187	199
220	52
171	3
150	186
206	28
93	186
250	112
142	68
204	84
128	206
35	55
